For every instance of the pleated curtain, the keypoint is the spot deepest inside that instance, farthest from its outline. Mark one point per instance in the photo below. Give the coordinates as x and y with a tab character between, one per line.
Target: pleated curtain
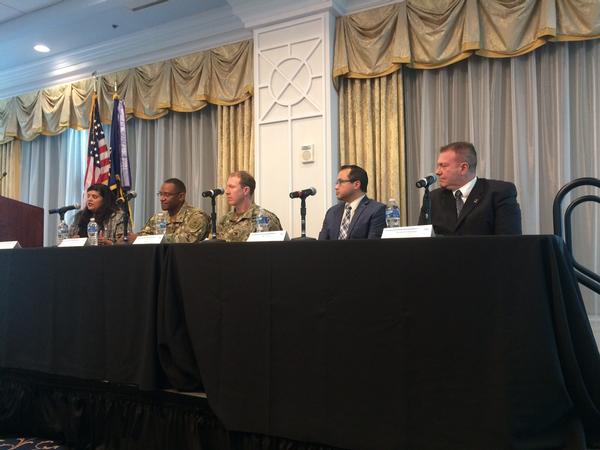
515	78
534	120
10	169
189	117
371	122
235	143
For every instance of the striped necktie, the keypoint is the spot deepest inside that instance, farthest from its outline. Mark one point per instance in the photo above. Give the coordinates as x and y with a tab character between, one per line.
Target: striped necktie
459	202
345	223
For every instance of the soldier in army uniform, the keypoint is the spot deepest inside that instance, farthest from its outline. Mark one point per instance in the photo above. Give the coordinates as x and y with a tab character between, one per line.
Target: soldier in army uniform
236	225
184	223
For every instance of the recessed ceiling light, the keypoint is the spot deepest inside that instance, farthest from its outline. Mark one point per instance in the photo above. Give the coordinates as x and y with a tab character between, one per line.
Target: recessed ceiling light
41	48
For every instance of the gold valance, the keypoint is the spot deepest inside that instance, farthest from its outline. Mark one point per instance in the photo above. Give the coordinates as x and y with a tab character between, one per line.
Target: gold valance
220	76
428	34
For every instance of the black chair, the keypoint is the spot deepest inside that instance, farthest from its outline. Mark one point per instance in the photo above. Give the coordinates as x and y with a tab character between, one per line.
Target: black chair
585	276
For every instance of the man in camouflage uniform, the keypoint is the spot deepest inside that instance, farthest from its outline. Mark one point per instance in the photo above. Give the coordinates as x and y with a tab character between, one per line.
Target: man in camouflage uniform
184	222
237	224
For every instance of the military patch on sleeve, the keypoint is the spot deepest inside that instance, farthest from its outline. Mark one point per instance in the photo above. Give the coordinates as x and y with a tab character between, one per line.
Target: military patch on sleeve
195	222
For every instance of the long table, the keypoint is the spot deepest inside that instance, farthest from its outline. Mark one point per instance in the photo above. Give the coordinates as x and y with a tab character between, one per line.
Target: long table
445	343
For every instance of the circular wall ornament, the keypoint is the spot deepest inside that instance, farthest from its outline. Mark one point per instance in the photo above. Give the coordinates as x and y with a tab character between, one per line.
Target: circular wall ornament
290	81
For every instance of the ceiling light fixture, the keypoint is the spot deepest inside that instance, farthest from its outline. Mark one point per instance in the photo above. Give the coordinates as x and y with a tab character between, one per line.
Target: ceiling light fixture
41	48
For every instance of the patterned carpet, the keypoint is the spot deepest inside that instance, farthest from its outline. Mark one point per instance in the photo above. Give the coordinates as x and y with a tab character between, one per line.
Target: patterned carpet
29	444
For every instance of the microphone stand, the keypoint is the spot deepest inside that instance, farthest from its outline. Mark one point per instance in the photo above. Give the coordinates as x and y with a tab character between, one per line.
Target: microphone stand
303	222
125	208
427	206
213	219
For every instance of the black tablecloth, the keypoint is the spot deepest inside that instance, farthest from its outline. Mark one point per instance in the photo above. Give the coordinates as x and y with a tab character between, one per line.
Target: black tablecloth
465	343
81	312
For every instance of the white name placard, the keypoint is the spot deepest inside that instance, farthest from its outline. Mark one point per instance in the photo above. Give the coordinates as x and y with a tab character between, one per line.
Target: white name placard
418	231
73	242
149	239
7	245
267	236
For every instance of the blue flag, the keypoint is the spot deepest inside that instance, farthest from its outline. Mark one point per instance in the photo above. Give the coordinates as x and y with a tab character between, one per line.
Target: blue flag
120	172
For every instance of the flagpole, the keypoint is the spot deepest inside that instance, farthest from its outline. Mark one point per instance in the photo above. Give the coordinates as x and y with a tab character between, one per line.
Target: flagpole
95	77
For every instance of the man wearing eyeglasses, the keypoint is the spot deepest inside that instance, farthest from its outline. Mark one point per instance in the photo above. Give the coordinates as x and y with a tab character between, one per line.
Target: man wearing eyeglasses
356	216
184	222
466	204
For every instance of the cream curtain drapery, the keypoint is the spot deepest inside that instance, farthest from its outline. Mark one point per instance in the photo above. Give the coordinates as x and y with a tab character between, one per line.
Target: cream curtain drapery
221	76
372	133
10	163
427	34
236	143
534	121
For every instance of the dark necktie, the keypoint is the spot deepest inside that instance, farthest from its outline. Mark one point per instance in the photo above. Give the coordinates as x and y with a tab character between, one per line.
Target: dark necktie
459	202
345	223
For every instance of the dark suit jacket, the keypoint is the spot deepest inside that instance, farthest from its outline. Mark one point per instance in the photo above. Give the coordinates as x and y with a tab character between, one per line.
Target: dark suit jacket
368	221
491	208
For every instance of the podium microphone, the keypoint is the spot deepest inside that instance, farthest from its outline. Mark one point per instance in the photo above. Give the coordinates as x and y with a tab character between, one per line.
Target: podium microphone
303	193
426	181
64	209
213	192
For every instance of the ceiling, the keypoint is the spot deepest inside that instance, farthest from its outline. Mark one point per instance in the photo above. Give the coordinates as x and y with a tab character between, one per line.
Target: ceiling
64	25
11	9
102	36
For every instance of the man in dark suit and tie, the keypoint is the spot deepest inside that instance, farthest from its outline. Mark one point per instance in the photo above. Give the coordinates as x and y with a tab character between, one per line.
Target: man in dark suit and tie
356	216
467	205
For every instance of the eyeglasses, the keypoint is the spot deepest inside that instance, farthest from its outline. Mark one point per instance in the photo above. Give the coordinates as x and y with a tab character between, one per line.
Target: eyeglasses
167	194
338	181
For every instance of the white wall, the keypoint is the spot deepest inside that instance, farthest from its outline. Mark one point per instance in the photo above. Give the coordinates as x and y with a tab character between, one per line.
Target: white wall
295	105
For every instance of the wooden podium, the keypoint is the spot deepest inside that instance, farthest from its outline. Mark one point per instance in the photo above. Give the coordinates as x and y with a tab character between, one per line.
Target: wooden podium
21	222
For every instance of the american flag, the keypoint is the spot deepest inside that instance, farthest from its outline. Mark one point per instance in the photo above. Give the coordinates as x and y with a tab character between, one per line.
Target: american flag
98	160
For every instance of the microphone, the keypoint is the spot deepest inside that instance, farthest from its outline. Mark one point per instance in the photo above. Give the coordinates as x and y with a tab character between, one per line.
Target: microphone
64	209
129	196
303	193
213	192
426	181
3	175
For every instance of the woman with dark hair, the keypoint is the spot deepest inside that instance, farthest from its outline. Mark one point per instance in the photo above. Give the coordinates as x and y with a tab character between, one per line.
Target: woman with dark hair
101	206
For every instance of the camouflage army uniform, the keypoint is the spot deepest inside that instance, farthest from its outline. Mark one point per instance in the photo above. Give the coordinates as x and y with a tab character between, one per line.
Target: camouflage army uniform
113	228
188	225
233	228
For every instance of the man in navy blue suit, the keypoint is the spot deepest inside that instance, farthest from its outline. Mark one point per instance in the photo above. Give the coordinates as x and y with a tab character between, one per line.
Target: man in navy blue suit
467	205
356	216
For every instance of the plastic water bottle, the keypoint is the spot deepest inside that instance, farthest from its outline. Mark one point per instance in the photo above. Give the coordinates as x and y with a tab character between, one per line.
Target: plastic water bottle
262	221
161	223
62	232
392	214
92	230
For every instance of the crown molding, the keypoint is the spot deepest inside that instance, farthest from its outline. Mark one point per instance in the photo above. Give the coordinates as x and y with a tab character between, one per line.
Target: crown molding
176	38
260	13
354	6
